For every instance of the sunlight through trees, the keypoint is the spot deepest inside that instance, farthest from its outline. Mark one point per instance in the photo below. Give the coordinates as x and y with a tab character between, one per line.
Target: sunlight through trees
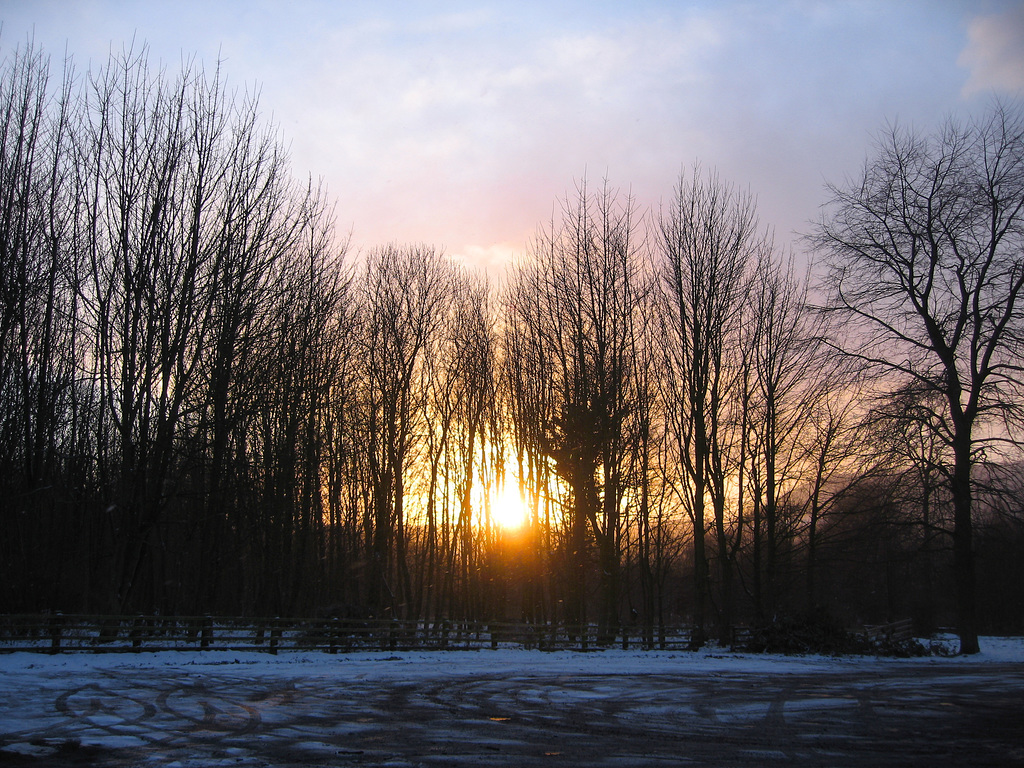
209	405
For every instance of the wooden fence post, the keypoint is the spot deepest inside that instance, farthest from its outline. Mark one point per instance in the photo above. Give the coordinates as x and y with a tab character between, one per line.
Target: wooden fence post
136	632
55	629
206	634
275	634
333	628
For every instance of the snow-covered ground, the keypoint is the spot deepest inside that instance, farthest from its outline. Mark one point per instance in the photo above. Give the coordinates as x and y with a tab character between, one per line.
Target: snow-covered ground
510	707
421	664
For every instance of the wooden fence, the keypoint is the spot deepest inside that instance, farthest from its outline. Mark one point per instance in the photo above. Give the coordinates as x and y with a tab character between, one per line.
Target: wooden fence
897	631
58	633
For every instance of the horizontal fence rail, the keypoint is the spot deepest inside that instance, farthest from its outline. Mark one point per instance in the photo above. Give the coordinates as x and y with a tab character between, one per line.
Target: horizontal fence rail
896	631
59	633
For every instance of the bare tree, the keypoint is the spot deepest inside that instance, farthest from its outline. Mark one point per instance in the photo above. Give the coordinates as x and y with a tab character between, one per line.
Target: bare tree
708	238
572	314
911	455
834	436
790	380
40	406
925	270
141	302
460	380
406	296
654	531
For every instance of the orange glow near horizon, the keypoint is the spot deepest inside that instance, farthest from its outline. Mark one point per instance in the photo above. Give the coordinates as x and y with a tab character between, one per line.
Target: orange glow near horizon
507	508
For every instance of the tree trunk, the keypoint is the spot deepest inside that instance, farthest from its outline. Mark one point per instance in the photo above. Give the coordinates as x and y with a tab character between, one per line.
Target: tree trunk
963	547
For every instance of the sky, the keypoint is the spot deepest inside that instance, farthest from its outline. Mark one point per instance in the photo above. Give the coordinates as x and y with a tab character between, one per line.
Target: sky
462	124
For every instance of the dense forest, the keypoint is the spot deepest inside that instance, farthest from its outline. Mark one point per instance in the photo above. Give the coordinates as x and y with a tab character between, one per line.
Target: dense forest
209	404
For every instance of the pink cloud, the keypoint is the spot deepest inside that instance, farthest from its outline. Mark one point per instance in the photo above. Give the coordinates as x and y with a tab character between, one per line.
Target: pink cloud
995	52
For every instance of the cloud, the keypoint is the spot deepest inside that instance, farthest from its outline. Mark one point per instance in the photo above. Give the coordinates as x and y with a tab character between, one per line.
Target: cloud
995	52
494	259
462	123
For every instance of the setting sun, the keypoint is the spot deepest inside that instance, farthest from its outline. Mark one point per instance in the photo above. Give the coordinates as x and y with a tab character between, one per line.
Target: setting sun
508	510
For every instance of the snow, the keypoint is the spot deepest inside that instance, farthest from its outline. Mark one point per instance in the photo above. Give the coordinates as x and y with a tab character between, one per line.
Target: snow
214	708
389	665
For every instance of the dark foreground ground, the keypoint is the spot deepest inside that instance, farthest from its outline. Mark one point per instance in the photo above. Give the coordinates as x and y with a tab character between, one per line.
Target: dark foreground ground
908	714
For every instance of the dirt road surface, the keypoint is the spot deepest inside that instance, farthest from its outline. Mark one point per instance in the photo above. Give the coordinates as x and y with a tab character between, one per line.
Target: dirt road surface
909	714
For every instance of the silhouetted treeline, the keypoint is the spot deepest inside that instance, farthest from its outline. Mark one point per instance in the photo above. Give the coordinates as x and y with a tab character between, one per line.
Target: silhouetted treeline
207	405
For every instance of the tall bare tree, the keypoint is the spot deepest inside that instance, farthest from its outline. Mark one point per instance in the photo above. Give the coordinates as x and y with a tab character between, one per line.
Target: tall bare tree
573	310
406	297
925	269
790	380
41	409
708	238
